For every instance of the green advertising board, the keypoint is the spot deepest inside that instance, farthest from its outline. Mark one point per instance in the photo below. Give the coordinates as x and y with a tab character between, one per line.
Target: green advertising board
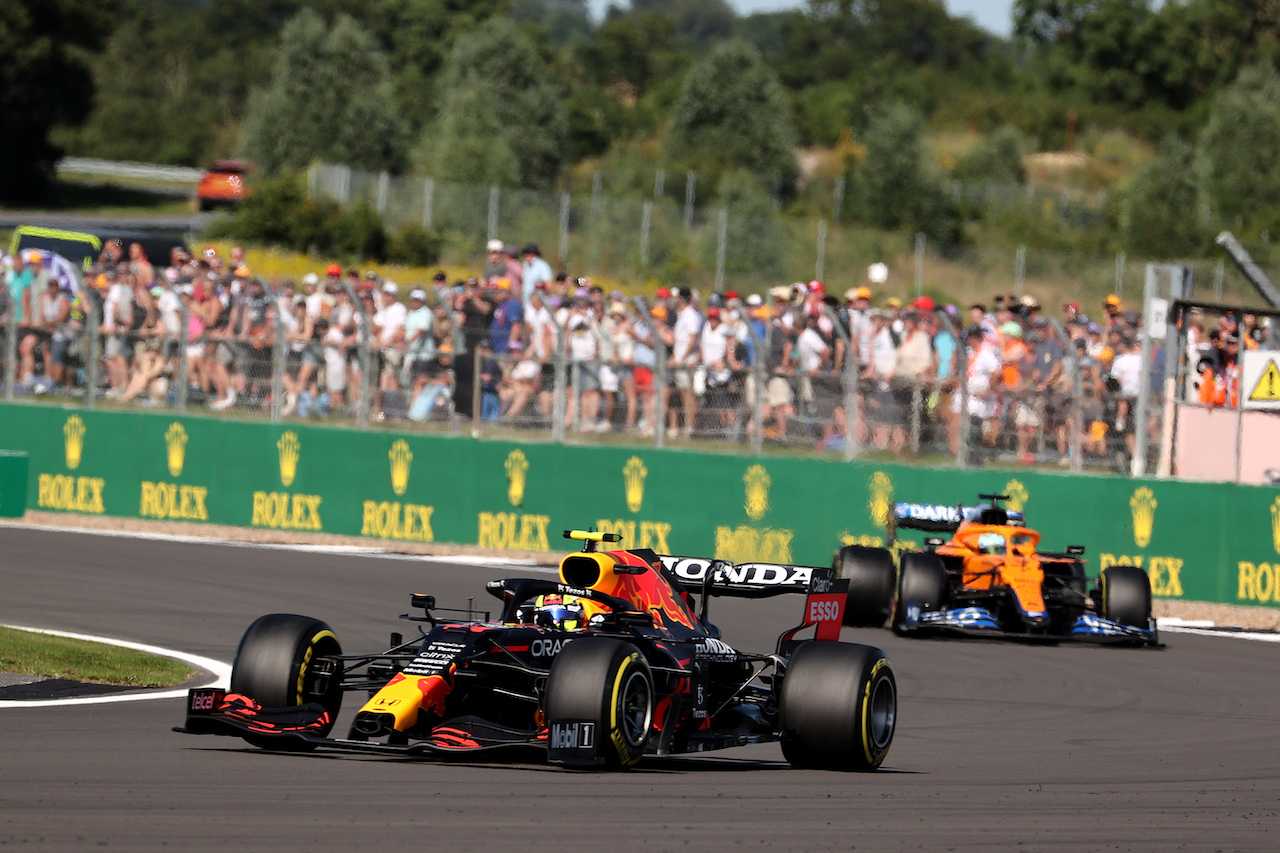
13	484
1197	541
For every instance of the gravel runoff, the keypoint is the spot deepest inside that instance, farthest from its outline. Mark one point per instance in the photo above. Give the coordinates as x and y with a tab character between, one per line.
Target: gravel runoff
1221	615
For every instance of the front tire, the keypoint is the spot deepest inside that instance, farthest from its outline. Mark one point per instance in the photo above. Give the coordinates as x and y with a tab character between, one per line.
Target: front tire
839	707
606	682
273	667
1125	595
922	586
870	574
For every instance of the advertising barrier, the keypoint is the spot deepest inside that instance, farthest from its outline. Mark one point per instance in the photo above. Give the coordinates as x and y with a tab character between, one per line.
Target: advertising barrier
1213	542
13	484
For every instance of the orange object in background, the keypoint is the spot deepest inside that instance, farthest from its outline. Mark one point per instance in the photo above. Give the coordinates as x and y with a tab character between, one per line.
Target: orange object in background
223	184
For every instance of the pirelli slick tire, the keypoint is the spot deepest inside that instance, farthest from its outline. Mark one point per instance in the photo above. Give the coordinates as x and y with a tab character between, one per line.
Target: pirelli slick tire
922	584
871	576
1124	594
273	667
839	706
608	682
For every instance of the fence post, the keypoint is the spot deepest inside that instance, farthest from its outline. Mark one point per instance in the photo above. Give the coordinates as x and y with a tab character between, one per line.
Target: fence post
362	354
344	185
919	263
1218	273
383	182
820	266
690	181
595	194
1019	269
184	341
11	346
477	390
558	390
659	183
646	220
849	381
576	367
837	205
659	388
278	355
1120	259
92	329
428	202
722	242
493	212
564	229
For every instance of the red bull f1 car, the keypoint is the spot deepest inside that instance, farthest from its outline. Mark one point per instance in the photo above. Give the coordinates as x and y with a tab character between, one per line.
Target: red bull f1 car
613	660
990	579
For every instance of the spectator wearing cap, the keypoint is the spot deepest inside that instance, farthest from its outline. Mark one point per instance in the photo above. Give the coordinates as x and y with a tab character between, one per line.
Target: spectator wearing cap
371	282
389	324
534	271
496	263
1113	309
333	278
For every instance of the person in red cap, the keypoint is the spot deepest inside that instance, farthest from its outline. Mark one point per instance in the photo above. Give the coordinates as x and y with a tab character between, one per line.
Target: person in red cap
923	303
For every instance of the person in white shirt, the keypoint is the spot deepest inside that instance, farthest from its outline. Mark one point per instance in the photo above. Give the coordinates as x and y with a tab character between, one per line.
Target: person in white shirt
117	317
534	271
981	378
684	358
389	329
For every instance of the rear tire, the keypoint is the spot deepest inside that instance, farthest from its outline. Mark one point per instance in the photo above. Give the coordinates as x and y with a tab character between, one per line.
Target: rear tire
871	576
839	707
273	668
922	584
1125	595
607	682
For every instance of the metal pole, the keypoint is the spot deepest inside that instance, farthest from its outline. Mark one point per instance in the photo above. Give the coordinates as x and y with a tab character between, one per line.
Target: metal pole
558	390
837	204
577	393
850	384
362	388
1020	269
1218	274
1077	394
278	355
475	393
646	220
659	388
428	202
962	373
384	181
659	183
1138	465
494	195
184	341
1120	261
690	181
595	195
919	263
822	250
722	243
564	229
93	327
11	346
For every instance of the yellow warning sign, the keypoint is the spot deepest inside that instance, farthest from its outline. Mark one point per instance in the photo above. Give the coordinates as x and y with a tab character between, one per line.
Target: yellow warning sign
1267	389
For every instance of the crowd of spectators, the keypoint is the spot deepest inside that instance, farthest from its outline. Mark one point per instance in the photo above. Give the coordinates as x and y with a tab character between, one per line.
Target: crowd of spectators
677	361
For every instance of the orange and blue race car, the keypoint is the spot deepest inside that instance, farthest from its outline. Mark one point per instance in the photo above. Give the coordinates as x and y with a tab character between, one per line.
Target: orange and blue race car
613	660
990	579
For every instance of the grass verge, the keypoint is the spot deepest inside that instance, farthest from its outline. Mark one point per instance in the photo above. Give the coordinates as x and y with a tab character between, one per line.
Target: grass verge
45	655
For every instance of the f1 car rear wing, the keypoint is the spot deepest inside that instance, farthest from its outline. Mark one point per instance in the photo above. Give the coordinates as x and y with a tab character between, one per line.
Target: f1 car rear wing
946	518
743	580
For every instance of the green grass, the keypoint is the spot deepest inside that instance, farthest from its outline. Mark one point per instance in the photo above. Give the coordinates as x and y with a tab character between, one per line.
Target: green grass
77	660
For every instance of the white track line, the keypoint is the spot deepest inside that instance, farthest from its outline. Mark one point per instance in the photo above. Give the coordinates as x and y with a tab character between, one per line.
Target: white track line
1239	635
337	550
221	672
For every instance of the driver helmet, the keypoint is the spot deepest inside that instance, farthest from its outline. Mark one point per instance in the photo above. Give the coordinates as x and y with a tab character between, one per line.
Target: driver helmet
558	611
991	543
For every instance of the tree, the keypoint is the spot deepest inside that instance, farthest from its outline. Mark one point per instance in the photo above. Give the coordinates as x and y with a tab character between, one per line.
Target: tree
1162	218
330	98
44	81
501	121
998	158
1236	151
732	113
894	185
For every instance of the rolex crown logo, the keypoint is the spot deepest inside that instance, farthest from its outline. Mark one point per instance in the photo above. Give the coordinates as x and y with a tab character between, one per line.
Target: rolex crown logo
73	431
175	441
401	458
1017	495
1275	525
289	448
517	467
881	502
1143	503
757	481
633	474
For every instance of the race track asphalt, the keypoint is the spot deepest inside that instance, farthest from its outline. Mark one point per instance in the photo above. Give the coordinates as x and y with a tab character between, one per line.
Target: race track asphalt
999	746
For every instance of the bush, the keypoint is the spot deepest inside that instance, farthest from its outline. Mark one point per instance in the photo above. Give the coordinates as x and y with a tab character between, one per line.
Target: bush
414	245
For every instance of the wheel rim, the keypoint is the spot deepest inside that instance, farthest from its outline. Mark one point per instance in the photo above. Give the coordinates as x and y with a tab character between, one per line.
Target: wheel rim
635	707
884	712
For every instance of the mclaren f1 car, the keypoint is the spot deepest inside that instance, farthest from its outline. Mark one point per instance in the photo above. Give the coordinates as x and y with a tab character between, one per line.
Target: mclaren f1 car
613	660
990	579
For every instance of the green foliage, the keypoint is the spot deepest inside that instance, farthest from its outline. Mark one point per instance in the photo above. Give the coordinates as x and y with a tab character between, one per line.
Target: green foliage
330	98
754	229
733	114
1162	218
997	159
44	81
414	245
895	187
501	121
1238	147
